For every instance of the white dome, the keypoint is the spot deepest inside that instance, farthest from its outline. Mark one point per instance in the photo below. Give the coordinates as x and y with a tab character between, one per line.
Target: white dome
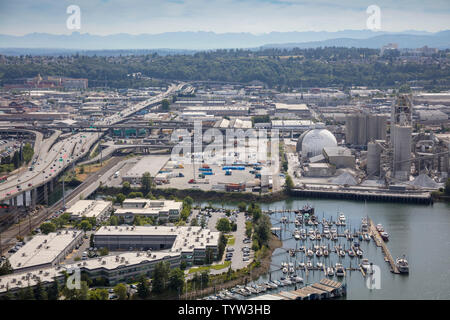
315	140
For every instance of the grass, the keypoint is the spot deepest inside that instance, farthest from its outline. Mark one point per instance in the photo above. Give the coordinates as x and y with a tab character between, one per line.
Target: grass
215	267
231	241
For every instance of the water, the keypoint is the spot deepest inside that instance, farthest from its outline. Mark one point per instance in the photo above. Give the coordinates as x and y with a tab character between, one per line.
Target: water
420	232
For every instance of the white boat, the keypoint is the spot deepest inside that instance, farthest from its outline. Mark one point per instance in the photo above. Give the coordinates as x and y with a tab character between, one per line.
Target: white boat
340	271
309	264
310	253
402	265
312	237
319	265
301	265
342	218
285	270
296	279
380	227
366	236
330	272
365	264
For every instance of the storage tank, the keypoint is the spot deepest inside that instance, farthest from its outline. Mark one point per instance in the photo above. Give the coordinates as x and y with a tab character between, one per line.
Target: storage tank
373	159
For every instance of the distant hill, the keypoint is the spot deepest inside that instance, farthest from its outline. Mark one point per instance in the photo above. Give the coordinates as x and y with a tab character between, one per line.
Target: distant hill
210	40
440	40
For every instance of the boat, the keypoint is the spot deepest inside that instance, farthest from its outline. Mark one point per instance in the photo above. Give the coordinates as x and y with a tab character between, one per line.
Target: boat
309	264
334	236
365	264
318	252
359	252
330	272
351	253
301	265
379	227
303	236
340	271
285	270
307	209
342	219
402	265
312	236
319	265
297	223
341	253
296	279
384	235
309	253
366	236
318	236
326	252
296	236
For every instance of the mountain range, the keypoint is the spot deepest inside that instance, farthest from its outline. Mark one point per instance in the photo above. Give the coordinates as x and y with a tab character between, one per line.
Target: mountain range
176	41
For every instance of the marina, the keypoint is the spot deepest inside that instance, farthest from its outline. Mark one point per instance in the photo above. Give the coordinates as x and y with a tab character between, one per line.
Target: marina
418	234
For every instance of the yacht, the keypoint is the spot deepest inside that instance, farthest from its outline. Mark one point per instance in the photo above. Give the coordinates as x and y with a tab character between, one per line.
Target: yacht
296	279
312	236
297	236
301	265
318	236
330	272
342	219
309	253
402	265
365	264
309	264
341	252
319	265
351	253
326	252
319	252
334	236
340	271
359	252
380	227
366	236
384	235
285	270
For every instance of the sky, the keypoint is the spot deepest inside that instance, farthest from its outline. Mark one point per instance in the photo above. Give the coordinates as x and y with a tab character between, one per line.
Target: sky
103	17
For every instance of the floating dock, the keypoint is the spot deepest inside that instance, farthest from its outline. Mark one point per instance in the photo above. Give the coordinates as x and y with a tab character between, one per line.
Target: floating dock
380	243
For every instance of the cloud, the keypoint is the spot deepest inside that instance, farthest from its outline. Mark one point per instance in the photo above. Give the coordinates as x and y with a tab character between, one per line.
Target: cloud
255	16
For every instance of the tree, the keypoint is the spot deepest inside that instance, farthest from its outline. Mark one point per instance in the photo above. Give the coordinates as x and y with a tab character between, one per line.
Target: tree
53	290
27	152
176	280
85	225
16	159
146	182
98	294
289	184
262	230
194	222
160	277
223	225
113	221
242	206
121	291
126	188
47	227
143	288
120	198
39	291
165	105
104	251
188	201
6	268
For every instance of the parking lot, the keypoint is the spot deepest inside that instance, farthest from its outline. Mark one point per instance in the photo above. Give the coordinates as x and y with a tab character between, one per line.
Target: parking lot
237	250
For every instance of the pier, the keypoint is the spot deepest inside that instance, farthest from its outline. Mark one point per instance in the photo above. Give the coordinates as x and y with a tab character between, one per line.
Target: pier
362	195
380	243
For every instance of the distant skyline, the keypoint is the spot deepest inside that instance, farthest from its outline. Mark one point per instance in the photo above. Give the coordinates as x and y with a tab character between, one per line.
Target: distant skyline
105	17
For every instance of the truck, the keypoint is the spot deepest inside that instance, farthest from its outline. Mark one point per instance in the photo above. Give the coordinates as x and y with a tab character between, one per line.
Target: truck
205	166
116	175
231	187
228	173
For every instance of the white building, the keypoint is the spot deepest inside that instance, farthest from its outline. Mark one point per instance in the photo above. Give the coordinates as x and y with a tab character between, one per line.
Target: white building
164	210
90	209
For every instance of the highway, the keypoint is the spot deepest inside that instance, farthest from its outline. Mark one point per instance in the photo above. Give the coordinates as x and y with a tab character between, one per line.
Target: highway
53	159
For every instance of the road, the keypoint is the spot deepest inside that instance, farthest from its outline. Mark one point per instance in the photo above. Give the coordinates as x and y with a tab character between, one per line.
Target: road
87	187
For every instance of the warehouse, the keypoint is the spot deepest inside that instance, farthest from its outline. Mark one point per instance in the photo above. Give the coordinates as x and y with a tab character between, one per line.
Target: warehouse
97	209
191	242
163	210
150	164
45	250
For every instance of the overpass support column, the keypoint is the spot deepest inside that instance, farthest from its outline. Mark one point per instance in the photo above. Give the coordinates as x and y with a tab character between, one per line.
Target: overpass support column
51	185
33	196
15	202
45	193
24	199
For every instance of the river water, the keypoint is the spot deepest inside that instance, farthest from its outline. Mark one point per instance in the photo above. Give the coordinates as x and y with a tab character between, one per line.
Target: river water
418	231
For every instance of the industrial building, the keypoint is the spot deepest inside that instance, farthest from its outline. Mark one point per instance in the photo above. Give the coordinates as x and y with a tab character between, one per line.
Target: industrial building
163	210
312	142
97	209
191	242
340	157
360	128
45	250
319	170
150	164
295	110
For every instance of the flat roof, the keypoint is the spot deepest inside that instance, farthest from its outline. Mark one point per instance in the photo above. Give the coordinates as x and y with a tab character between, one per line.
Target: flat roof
43	249
151	164
187	238
292	107
88	208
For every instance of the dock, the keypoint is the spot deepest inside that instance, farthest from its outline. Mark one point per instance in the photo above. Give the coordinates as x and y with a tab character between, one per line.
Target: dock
380	243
